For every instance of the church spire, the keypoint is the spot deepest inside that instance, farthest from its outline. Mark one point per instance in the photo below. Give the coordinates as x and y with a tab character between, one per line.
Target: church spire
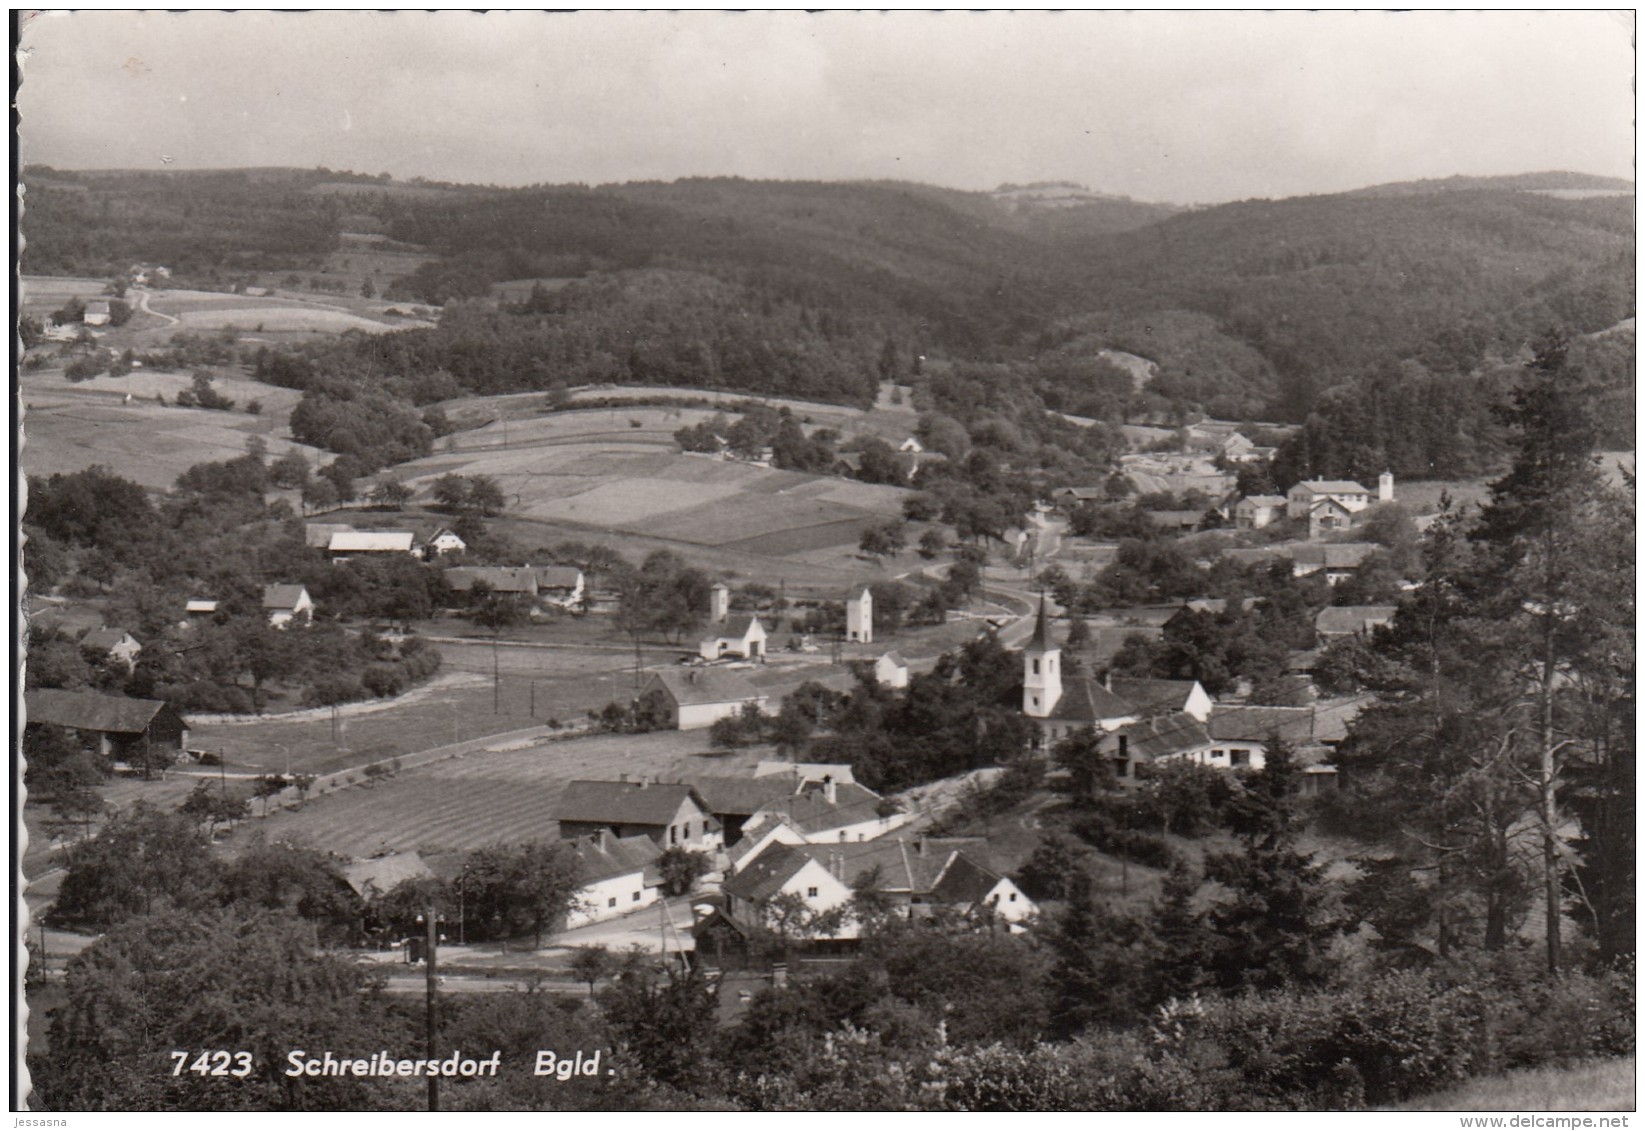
1041	640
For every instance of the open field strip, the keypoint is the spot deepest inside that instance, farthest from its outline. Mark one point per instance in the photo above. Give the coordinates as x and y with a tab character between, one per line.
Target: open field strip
1594	1085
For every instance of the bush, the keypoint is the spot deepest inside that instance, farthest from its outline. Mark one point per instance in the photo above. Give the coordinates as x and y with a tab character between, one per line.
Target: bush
1101	832
384	680
334	689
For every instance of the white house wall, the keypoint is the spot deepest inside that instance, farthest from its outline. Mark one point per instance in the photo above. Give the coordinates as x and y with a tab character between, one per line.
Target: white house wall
609	898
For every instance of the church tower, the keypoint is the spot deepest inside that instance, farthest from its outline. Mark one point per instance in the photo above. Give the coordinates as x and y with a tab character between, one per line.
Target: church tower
1041	670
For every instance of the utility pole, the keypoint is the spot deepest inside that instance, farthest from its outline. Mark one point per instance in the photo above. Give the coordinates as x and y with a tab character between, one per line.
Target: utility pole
430	943
496	679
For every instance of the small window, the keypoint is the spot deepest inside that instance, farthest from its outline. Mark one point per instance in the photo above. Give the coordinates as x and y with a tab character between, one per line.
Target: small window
612	902
636	897
1012	898
1036	667
673	834
843	835
811	893
1036	700
686	830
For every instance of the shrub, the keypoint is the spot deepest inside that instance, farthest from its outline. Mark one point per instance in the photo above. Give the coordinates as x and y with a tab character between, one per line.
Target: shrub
1101	832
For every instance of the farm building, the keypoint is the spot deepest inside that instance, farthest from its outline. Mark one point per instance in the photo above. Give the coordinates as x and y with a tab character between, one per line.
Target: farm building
891	670
198	609
97	313
513	580
345	544
1177	520
859	616
118	645
376	877
1257	511
317	535
920	876
1351	620
560	585
743	635
670	815
287	603
1158	696
733	801
126	730
617	875
697	699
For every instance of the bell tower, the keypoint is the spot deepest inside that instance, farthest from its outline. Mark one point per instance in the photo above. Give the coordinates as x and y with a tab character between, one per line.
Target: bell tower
1041	670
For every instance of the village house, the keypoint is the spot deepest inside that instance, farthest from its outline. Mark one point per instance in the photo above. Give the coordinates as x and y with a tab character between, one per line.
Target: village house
616	875
375	877
124	730
1328	517
828	811
1147	741
733	801
518	581
1351	620
346	544
560	585
1351	496
97	313
742	636
1337	560
285	604
199	609
859	616
440	542
920	876
785	870
694	699
114	644
1257	511
1070	498
891	670
1163	696
670	815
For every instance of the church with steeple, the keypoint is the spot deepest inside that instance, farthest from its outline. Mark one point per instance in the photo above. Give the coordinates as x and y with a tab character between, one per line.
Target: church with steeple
1059	708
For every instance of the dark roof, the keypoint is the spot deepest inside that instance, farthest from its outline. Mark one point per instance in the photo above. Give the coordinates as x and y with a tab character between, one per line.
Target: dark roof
895	658
559	577
87	710
1341	620
1333	555
1258	724
737	627
282	596
1263	500
1087	701
810	811
602	858
1154	694
696	687
964	880
624	802
502	579
1041	640
764	876
741	797
1176	518
1165	735
381	874
106	638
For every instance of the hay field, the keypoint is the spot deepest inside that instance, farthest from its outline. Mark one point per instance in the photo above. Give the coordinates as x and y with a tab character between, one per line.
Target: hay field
148	443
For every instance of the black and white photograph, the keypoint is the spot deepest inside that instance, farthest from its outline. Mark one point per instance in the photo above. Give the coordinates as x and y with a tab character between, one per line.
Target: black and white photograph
833	561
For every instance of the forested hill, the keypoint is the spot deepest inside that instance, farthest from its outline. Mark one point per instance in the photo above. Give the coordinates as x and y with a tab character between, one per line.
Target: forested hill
1251	309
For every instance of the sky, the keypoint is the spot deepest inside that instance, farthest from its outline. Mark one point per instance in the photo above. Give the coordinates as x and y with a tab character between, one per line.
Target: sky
1180	107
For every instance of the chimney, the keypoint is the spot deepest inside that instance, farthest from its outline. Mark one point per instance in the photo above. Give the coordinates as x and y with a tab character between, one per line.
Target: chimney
830	791
599	840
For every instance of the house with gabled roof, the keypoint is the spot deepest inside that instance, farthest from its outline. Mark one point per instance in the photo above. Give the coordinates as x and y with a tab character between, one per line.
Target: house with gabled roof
1328	517
441	541
116	644
126	730
1257	511
831	812
891	670
1163	696
317	535
375	877
697	698
1303	497
1146	741
784	870
1337	560
285	604
616	875
560	585
740	634
672	815
920	875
